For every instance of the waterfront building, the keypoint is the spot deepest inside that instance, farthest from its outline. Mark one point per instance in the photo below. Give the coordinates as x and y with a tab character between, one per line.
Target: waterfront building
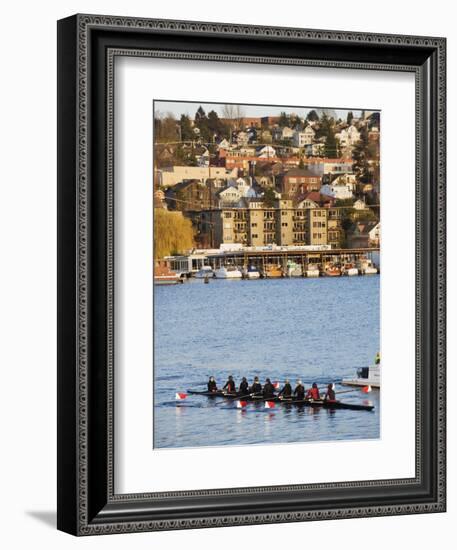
283	224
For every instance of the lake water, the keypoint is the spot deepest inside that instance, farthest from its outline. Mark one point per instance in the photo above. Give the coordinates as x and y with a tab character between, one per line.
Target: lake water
320	330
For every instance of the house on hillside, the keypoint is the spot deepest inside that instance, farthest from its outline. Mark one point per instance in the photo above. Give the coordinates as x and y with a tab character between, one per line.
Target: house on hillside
358	236
266	152
299	180
188	195
303	137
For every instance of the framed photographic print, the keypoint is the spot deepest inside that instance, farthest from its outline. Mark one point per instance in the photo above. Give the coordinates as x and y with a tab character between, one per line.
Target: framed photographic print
251	274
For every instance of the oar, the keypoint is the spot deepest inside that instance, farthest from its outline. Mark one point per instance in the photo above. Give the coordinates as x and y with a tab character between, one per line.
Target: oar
239	398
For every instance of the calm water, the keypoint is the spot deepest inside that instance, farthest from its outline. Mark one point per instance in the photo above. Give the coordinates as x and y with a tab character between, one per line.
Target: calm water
315	329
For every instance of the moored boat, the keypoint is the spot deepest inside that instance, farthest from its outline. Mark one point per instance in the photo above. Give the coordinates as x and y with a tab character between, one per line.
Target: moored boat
350	270
251	272
366	266
204	272
228	272
294	269
332	270
273	271
163	275
366	376
312	271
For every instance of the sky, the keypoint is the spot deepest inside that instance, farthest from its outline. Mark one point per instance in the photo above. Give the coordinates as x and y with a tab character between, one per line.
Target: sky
177	108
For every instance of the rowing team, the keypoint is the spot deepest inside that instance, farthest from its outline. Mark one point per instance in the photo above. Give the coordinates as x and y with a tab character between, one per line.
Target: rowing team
268	390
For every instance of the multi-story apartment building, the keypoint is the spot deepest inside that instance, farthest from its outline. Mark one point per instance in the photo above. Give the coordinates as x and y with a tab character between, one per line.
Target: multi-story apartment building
283	225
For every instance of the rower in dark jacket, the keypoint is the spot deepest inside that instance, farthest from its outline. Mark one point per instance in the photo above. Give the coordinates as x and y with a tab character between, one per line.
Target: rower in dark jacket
212	386
230	385
244	386
299	392
330	393
256	386
268	389
286	390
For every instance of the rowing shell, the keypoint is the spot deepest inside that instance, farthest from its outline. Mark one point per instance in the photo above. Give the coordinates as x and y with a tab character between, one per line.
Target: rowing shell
286	401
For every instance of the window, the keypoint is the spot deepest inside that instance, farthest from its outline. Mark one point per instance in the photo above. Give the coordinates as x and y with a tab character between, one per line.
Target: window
227	214
255	236
284	224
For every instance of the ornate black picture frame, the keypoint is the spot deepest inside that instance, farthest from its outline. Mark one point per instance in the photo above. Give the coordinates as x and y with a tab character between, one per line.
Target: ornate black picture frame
88	45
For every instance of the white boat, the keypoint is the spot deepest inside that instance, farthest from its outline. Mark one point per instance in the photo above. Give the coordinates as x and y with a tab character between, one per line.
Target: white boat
366	376
204	272
294	269
251	272
366	267
228	272
312	271
350	270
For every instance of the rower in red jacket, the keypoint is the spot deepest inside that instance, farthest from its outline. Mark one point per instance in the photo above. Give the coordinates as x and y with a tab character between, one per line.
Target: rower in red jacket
313	393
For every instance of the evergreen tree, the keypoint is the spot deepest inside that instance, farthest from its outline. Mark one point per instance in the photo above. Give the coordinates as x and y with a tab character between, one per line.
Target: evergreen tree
215	125
187	134
201	122
360	157
269	197
349	117
312	116
284	119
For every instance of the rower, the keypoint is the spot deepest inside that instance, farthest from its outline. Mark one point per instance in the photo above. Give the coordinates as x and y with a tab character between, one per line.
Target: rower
313	393
268	389
230	385
256	386
286	390
330	393
299	392
244	386
212	386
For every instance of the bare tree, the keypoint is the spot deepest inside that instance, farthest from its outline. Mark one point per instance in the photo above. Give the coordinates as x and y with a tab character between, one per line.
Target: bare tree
235	114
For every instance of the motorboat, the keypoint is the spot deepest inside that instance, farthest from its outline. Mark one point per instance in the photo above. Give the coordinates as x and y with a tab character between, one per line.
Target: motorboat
273	271
332	270
228	272
350	270
204	272
312	270
294	269
366	267
366	376
251	272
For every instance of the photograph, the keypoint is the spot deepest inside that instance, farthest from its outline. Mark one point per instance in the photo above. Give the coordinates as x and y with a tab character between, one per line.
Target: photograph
267	269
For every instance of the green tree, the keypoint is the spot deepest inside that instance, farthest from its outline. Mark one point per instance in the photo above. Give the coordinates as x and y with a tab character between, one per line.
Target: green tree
284	119
331	149
187	133
269	197
349	117
173	233
360	157
312	116
215	125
